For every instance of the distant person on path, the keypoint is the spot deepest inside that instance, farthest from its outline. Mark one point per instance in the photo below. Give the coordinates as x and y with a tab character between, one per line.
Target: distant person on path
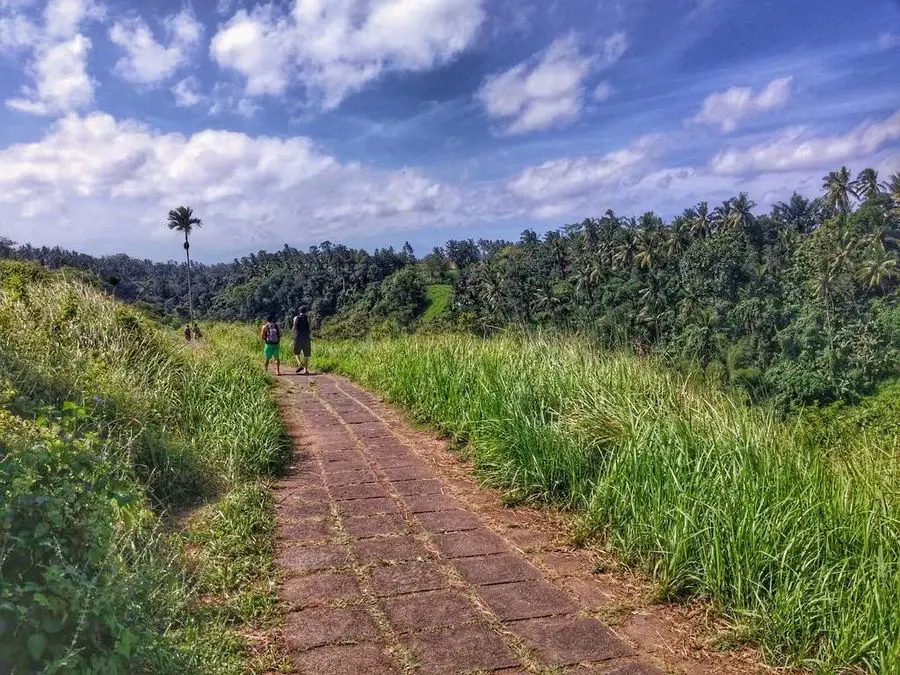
187	333
302	341
197	334
270	334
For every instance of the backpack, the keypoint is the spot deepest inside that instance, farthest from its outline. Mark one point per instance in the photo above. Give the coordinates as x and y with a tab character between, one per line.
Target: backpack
272	334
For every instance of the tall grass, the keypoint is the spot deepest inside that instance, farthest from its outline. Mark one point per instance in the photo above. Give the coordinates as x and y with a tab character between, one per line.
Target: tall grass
109	428
714	499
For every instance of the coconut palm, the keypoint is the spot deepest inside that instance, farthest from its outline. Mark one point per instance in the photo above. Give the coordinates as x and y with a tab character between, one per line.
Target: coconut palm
182	219
894	191
839	189
867	185
878	267
740	217
701	222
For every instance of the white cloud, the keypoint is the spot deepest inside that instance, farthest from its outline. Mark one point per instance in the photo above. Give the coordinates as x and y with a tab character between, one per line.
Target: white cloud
187	93
335	48
603	91
62	18
148	62
97	183
58	66
729	108
548	89
797	149
61	80
555	186
17	32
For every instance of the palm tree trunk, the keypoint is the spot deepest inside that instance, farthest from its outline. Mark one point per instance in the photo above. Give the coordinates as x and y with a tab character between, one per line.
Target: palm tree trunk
187	252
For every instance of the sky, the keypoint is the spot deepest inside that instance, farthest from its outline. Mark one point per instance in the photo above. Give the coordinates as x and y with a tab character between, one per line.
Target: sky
374	122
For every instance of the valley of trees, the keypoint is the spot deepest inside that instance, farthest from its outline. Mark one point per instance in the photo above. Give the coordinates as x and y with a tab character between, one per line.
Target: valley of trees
799	304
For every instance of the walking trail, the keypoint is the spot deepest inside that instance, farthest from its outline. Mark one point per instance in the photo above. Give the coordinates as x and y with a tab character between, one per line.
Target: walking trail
393	564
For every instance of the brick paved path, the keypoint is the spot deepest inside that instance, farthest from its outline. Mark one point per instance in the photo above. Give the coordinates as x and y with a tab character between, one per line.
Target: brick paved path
386	572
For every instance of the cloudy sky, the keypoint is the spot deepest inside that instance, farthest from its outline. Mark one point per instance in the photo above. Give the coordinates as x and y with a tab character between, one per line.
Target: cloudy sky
371	122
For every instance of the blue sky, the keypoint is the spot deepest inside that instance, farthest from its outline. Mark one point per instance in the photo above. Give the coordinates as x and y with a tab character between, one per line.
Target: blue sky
371	122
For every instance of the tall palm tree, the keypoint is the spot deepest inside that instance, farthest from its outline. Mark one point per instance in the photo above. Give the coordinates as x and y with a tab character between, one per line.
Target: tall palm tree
182	219
838	189
741	215
701	222
867	185
894	190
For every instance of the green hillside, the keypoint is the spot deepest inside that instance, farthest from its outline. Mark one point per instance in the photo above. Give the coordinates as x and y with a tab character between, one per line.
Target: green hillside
132	484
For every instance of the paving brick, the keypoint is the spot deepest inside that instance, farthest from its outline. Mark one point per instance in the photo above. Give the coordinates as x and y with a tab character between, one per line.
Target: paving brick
397	460
368	507
293	510
525	600
319	589
290	484
454	520
346	660
311	493
429	486
412	472
372	526
301	559
428	503
390	549
345	465
358	418
327	625
408	578
495	569
426	611
305	531
564	640
330	457
358	491
471	543
460	649
339	478
387	446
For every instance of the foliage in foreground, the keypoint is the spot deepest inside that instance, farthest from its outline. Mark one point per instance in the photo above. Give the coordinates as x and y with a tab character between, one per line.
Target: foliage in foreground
714	499
107	425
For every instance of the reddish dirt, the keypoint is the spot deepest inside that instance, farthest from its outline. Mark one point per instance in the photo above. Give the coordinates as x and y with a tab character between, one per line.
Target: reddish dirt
396	560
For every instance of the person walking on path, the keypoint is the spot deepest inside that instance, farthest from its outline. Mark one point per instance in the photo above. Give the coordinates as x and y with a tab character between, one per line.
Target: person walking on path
302	341
270	334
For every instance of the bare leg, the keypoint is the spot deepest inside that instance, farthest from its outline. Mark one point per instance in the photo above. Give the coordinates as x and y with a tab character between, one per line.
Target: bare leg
277	366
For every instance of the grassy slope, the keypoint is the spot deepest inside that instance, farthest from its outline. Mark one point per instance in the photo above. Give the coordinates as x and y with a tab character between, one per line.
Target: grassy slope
107	424
439	297
714	499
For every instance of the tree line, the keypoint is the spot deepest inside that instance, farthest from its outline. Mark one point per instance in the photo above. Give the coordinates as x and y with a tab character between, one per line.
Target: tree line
800	303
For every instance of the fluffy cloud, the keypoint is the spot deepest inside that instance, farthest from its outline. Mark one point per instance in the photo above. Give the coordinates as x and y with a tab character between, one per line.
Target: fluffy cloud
61	79
59	60
797	149
98	183
548	89
187	93
729	108
17	32
558	186
147	61
336	47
